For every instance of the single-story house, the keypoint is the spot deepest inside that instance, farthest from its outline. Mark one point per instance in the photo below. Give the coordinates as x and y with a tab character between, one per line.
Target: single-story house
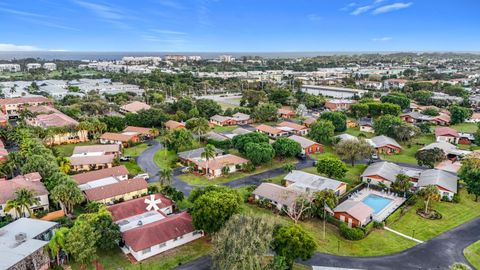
285	113
339	104
23	244
120	138
446	134
447	183
466	138
216	165
171	125
366	125
307	182
111	191
309	121
381	172
221	120
308	146
451	151
195	154
279	196
119	173
242	118
146	133
354	213
31	181
134	107
293	128
98	149
91	162
415	117
3	152
149	226
272	132
385	145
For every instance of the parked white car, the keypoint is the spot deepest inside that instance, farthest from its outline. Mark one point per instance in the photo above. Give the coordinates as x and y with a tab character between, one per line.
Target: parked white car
143	175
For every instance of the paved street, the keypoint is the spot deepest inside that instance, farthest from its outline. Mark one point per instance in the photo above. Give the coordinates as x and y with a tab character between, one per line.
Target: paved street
438	253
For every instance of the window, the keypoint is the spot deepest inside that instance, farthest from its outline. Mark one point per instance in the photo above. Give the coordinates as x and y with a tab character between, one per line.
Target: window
162	245
196	232
145	251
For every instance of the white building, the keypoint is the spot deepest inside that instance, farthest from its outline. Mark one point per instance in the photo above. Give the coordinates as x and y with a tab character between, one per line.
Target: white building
10	67
149	226
334	92
22	244
31	66
226	58
50	66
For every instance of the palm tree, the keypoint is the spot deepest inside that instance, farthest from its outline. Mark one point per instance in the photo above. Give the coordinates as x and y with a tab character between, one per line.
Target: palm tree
208	153
402	183
57	243
429	193
26	199
64	164
13	205
201	127
165	176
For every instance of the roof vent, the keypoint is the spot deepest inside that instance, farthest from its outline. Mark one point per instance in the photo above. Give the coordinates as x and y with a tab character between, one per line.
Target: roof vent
139	223
21	237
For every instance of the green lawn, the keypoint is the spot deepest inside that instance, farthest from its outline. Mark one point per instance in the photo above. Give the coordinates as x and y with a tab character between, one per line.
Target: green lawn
407	155
115	259
352	177
377	243
224	128
135	150
66	150
453	214
196	180
165	158
472	253
465	127
132	167
356	131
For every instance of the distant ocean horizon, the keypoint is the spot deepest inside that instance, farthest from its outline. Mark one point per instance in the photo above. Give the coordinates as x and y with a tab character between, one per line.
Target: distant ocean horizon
72	55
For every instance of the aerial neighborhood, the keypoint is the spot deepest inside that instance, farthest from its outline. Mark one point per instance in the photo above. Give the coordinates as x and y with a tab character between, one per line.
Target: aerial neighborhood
159	162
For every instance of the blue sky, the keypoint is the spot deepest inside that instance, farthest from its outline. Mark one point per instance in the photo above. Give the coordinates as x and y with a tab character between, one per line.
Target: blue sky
240	25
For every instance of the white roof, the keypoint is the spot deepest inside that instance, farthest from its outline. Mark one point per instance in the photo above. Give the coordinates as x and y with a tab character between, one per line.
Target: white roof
346	136
304	142
11	251
308	182
440	178
99	183
382	140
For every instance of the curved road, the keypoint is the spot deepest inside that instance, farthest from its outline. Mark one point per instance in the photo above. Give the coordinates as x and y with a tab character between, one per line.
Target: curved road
437	253
146	161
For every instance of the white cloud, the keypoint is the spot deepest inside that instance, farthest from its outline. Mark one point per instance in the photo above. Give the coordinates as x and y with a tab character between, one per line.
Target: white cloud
171	4
382	39
391	7
349	6
361	10
168	32
20	12
378	1
102	11
314	17
7	47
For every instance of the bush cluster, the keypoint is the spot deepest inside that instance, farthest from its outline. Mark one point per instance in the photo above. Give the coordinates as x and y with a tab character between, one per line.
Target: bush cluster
354	234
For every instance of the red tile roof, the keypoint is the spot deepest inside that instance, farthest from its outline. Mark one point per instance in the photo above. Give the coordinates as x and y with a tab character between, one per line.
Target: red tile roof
170	124
446	131
158	232
270	129
112	190
30	181
22	100
294	126
220	161
54	120
117	137
136	207
135	106
140	130
86	177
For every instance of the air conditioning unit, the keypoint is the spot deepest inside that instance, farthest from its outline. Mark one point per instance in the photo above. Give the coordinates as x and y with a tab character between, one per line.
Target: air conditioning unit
21	237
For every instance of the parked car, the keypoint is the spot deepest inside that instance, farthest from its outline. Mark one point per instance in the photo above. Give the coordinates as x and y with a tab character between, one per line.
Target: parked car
375	156
125	158
143	175
302	156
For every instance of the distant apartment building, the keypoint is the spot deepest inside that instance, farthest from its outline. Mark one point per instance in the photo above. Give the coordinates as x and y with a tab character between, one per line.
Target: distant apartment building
32	66
134	107
194	58
226	58
152	60
334	92
176	58
50	66
10	67
12	106
339	104
394	83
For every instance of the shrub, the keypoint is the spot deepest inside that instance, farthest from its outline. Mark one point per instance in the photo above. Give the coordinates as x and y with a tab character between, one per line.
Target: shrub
249	167
456	198
378	225
353	234
412	200
445	198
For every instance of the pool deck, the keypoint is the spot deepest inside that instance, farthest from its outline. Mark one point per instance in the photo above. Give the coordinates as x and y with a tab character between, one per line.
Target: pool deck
387	210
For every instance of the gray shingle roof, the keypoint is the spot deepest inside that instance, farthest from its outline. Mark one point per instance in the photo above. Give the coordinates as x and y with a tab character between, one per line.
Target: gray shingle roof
382	140
440	178
384	169
304	142
277	194
196	153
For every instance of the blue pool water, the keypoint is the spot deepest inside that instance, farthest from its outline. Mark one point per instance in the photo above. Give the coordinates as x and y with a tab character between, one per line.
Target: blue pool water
377	203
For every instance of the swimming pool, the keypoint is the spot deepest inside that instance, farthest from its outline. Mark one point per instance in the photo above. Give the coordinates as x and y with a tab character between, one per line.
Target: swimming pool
377	203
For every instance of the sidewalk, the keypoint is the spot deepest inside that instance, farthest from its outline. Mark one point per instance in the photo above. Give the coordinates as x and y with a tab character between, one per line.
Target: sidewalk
403	235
